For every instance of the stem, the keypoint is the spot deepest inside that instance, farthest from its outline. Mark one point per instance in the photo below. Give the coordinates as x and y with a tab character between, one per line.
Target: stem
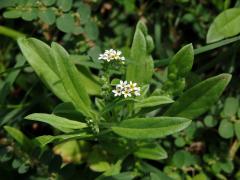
215	45
11	33
233	149
165	61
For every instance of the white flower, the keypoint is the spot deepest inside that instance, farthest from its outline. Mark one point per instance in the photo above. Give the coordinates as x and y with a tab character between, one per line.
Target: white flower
133	86
117	91
137	91
111	55
127	90
122	84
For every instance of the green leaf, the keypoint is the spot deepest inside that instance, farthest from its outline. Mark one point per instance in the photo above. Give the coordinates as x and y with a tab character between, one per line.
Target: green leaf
237	129
70	78
226	129
68	111
46	139
91	30
183	158
12	14
84	11
30	14
182	62
23	141
47	16
140	64
66	23
225	25
227	166
200	176
23	168
42	58
146	168
97	161
39	57
91	82
10	79
42	141
145	128
16	163
179	67
151	151
230	107
180	141
65	5
69	151
153	101
199	98
48	2
120	176
210	121
63	124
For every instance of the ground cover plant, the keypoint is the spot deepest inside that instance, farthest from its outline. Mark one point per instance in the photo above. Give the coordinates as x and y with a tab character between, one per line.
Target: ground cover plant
119	89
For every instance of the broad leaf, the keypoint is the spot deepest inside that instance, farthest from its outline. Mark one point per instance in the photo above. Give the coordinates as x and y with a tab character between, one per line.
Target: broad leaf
231	105
153	101
226	129
70	78
65	5
66	23
63	124
180	65
140	64
37	54
145	128
199	98
47	16
225	25
181	62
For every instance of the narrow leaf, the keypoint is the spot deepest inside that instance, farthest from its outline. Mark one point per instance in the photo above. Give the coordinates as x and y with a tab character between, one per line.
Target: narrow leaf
140	57
199	98
23	141
60	123
153	101
70	78
145	128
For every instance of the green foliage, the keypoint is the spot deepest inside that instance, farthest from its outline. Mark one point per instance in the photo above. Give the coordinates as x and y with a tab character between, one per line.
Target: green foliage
199	98
60	123
19	137
83	129
152	101
145	128
179	66
151	151
67	16
140	57
224	26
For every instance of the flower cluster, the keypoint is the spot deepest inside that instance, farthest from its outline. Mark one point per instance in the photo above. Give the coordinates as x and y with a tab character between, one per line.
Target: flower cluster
127	90
112	55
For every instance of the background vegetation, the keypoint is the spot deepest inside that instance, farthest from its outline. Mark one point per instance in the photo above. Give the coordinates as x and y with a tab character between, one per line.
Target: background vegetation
207	149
